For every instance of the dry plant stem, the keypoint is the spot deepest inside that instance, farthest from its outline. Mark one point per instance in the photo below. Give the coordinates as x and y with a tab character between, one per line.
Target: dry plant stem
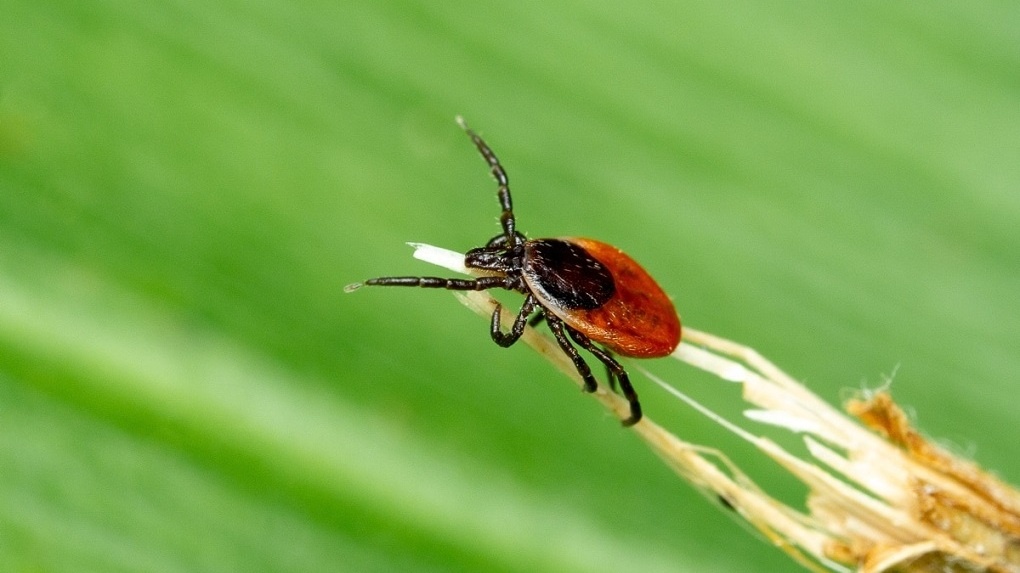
904	502
881	500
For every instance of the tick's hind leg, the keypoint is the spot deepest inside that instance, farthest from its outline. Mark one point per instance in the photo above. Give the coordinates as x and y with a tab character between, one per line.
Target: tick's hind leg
610	376
616	373
556	326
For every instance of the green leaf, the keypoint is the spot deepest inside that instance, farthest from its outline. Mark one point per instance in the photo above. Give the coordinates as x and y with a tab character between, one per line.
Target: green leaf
186	188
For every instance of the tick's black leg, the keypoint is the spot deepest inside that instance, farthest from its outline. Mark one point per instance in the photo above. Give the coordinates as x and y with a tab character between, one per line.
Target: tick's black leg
610	375
506	218
536	320
617	371
556	326
481	283
611	378
517	330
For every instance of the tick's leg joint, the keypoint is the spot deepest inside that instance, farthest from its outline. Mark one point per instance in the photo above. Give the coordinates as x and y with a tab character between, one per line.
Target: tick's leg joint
507	339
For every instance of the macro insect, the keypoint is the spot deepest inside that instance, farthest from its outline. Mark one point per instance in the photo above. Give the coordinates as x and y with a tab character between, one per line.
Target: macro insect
590	294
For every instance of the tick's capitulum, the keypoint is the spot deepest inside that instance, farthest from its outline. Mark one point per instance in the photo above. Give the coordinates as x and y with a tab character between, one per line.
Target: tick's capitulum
588	292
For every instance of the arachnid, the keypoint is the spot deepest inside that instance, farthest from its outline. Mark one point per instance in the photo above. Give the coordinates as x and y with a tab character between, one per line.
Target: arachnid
591	294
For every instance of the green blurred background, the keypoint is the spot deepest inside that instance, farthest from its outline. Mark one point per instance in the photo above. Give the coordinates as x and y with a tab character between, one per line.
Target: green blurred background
186	187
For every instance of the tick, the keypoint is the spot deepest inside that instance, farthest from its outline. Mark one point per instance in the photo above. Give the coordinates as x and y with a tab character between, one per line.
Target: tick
591	294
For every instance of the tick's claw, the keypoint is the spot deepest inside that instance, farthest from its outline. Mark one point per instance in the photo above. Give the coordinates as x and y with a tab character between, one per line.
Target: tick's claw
635	415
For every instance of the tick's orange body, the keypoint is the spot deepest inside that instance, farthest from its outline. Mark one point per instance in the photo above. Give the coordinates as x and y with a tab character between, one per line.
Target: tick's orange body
591	294
638	320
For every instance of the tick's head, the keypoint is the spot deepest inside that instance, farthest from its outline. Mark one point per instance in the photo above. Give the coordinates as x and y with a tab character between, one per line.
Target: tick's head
485	258
498	255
